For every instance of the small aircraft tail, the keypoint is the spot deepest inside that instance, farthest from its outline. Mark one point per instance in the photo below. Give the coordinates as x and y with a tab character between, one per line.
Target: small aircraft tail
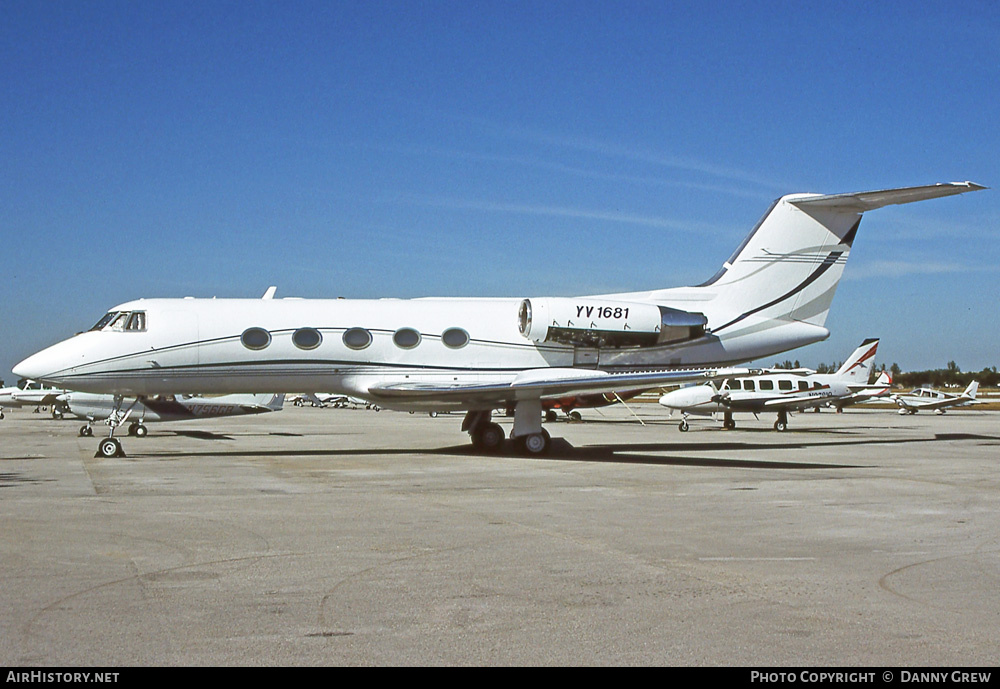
971	391
879	388
857	368
276	403
884	380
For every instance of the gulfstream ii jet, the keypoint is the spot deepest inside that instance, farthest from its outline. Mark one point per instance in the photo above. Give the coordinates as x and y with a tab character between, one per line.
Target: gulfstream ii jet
478	355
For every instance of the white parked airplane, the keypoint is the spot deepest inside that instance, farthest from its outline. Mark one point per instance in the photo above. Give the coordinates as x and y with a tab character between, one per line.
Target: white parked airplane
779	392
338	401
101	407
879	388
29	393
928	399
476	355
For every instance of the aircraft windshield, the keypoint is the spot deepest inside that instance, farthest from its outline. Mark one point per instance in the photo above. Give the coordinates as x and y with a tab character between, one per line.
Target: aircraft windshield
122	321
105	320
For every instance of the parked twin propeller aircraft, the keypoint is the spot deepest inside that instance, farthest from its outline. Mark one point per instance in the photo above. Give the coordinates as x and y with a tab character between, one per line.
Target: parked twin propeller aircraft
779	391
477	355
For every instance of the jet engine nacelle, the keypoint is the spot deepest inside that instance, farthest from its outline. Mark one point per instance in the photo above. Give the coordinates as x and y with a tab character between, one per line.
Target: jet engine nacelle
606	323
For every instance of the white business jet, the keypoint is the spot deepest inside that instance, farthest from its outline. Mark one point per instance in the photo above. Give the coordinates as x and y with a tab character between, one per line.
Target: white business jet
102	407
477	355
780	392
928	399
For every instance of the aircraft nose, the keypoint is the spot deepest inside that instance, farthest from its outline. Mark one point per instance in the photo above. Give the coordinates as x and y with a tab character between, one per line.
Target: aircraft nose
40	366
27	368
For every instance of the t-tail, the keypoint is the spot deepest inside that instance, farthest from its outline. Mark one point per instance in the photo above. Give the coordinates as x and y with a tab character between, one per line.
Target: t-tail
785	273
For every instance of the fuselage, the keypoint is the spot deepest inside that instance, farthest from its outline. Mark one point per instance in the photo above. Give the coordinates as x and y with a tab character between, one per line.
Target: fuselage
218	346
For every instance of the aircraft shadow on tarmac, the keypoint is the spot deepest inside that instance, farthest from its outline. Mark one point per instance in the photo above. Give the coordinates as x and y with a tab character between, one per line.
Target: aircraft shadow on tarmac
202	435
208	435
636	453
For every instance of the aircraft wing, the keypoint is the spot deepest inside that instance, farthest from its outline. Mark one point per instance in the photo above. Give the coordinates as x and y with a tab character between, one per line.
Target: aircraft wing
49	398
941	404
799	402
541	384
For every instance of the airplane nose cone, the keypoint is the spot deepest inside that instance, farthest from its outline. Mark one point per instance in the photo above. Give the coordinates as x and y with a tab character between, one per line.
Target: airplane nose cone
27	368
42	365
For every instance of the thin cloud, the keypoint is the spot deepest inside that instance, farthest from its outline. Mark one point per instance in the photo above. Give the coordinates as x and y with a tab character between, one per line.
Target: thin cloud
555	211
895	269
575	171
589	145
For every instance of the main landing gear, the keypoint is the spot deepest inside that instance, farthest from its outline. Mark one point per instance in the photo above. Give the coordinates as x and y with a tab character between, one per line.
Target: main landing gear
528	436
782	423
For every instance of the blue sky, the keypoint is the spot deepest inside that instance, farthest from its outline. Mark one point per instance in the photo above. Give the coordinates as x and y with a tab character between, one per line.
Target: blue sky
366	149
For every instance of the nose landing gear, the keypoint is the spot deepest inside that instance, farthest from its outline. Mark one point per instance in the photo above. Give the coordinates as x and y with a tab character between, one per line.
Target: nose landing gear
111	446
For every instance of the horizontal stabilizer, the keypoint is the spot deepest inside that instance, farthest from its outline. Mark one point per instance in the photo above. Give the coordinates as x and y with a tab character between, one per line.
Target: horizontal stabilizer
862	201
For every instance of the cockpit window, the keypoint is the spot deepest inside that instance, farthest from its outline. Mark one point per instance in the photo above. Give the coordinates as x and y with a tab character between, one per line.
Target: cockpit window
137	321
105	320
121	321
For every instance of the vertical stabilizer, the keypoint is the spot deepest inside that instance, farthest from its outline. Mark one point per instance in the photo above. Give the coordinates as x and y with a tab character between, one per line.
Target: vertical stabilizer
789	266
857	368
971	391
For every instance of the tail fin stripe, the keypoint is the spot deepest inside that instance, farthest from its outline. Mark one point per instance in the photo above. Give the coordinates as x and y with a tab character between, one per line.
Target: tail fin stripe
827	263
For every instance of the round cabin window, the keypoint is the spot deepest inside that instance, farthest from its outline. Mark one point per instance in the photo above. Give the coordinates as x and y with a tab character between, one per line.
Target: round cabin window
357	338
455	338
307	338
406	338
255	338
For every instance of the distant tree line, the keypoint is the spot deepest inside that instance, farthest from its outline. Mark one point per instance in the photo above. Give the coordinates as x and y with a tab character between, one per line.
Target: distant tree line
951	375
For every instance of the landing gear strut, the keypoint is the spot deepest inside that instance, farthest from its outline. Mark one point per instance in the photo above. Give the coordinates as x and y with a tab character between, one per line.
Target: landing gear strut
782	423
529	436
110	446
